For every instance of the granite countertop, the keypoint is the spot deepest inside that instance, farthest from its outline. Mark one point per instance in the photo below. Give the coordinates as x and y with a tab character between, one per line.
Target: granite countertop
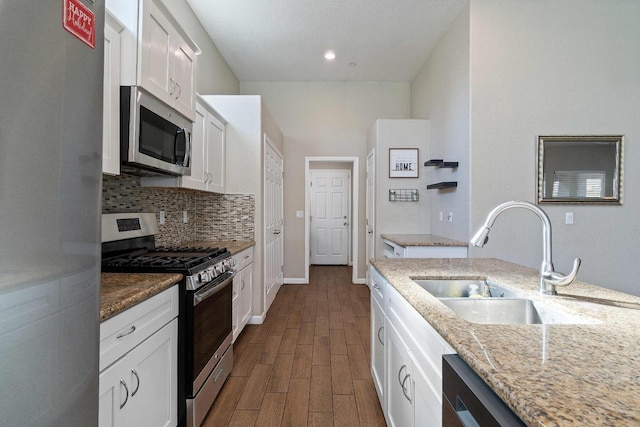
550	375
120	291
422	240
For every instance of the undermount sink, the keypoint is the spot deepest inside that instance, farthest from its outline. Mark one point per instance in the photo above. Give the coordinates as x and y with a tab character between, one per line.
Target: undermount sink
459	288
520	311
498	305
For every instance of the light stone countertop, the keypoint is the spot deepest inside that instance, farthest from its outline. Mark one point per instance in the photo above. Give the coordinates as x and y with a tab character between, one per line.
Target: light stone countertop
422	240
550	375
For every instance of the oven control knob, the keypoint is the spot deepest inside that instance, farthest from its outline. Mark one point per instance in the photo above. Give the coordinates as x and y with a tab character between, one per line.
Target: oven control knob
199	278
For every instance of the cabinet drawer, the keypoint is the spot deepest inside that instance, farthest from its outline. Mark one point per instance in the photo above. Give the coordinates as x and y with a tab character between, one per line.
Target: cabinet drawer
243	258
377	286
123	332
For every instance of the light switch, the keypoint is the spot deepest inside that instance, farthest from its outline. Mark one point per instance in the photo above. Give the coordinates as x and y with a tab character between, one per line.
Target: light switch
299	214
162	219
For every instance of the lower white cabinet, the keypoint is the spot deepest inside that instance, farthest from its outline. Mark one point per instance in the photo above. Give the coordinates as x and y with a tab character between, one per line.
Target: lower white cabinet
242	291
408	374
140	387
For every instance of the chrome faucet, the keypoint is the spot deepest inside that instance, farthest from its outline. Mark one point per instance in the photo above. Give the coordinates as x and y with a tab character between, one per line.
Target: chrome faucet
549	278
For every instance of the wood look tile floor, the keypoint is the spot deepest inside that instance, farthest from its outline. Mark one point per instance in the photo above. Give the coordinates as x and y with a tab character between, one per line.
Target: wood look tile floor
308	364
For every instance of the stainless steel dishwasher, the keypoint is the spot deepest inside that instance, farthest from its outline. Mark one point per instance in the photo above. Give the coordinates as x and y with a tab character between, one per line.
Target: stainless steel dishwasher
467	401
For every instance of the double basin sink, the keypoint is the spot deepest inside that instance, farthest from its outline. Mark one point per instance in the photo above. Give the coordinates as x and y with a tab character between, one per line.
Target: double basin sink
494	304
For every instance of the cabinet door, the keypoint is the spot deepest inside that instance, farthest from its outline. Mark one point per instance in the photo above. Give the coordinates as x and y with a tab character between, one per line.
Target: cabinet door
184	75
246	294
111	98
114	392
156	53
215	154
198	178
427	400
154	380
378	338
399	382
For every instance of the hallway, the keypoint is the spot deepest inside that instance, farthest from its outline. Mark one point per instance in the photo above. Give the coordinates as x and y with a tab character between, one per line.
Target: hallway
308	364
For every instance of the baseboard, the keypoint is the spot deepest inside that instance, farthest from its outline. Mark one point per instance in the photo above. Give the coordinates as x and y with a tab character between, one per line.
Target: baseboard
257	320
361	281
295	281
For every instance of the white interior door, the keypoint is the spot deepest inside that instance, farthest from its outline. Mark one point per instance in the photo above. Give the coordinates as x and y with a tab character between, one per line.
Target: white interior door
330	216
371	208
274	221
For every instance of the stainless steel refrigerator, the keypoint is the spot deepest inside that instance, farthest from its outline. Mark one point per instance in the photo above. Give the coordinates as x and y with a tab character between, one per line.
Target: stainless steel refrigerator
50	179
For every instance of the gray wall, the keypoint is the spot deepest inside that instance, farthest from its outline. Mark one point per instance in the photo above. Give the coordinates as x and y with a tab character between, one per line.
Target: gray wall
555	68
440	93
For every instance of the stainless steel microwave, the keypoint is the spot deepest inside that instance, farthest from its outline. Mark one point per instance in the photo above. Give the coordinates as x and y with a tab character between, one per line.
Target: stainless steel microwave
155	139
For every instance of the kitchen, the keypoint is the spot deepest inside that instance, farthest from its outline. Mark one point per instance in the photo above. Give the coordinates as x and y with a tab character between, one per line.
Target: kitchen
504	73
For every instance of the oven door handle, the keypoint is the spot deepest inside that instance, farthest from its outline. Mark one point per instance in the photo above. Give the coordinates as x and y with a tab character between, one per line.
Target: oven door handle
198	297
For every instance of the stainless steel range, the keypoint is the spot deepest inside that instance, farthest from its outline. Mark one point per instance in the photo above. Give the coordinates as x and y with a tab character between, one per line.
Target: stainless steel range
205	353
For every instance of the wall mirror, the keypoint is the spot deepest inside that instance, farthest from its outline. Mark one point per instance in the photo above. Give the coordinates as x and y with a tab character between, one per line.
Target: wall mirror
580	169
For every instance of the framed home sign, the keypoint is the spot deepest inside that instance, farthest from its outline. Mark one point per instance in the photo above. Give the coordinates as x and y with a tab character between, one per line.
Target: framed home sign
403	163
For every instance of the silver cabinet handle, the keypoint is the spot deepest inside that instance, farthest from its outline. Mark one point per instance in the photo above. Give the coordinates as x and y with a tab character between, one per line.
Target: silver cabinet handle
380	330
173	87
404	389
127	390
131	330
179	89
400	374
242	288
133	371
376	286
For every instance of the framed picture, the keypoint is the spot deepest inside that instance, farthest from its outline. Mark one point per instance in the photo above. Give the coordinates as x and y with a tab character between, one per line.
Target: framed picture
403	163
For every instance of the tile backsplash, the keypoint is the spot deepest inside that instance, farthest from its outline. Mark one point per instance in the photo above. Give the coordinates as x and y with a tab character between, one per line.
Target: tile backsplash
210	215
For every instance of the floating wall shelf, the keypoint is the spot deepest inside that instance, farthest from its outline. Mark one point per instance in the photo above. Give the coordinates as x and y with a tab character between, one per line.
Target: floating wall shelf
441	185
441	163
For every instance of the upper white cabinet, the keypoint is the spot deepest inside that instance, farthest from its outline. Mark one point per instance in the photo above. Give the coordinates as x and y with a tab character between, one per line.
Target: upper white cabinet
111	96
208	151
159	56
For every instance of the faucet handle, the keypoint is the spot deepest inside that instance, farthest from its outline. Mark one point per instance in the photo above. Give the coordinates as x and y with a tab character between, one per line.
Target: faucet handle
558	279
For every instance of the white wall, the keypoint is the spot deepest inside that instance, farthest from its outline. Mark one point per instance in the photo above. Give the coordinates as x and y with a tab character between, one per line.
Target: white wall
555	68
324	119
440	93
399	217
214	75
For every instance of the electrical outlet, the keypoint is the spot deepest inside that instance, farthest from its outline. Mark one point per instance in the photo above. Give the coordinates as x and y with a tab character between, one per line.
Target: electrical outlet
441	216
162	217
185	217
299	214
568	218
450	217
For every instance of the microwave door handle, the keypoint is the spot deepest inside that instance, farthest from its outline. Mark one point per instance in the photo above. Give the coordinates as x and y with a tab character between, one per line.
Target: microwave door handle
187	153
175	144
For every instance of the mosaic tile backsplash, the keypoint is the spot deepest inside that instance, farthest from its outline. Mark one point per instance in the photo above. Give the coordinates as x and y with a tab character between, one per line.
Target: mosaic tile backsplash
210	215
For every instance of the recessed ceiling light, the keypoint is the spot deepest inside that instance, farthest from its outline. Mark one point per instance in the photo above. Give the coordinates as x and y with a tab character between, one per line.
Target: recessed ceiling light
329	55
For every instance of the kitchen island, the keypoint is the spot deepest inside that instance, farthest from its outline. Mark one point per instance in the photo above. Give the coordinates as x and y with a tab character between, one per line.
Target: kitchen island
550	375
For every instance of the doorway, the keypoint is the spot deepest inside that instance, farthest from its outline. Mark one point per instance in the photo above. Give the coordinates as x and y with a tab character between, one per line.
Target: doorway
330	217
313	165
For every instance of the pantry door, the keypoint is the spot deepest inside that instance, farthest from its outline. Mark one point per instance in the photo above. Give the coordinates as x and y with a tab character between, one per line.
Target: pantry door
330	195
273	221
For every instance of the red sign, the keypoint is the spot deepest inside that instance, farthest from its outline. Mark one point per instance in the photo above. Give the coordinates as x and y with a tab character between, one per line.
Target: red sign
79	21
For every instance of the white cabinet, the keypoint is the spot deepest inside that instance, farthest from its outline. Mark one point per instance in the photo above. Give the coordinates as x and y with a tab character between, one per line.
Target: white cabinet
111	96
394	250
208	151
378	335
159	55
242	291
167	63
140	387
412	387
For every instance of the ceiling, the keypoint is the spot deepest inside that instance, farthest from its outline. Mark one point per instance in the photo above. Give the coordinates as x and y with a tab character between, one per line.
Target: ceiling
285	40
